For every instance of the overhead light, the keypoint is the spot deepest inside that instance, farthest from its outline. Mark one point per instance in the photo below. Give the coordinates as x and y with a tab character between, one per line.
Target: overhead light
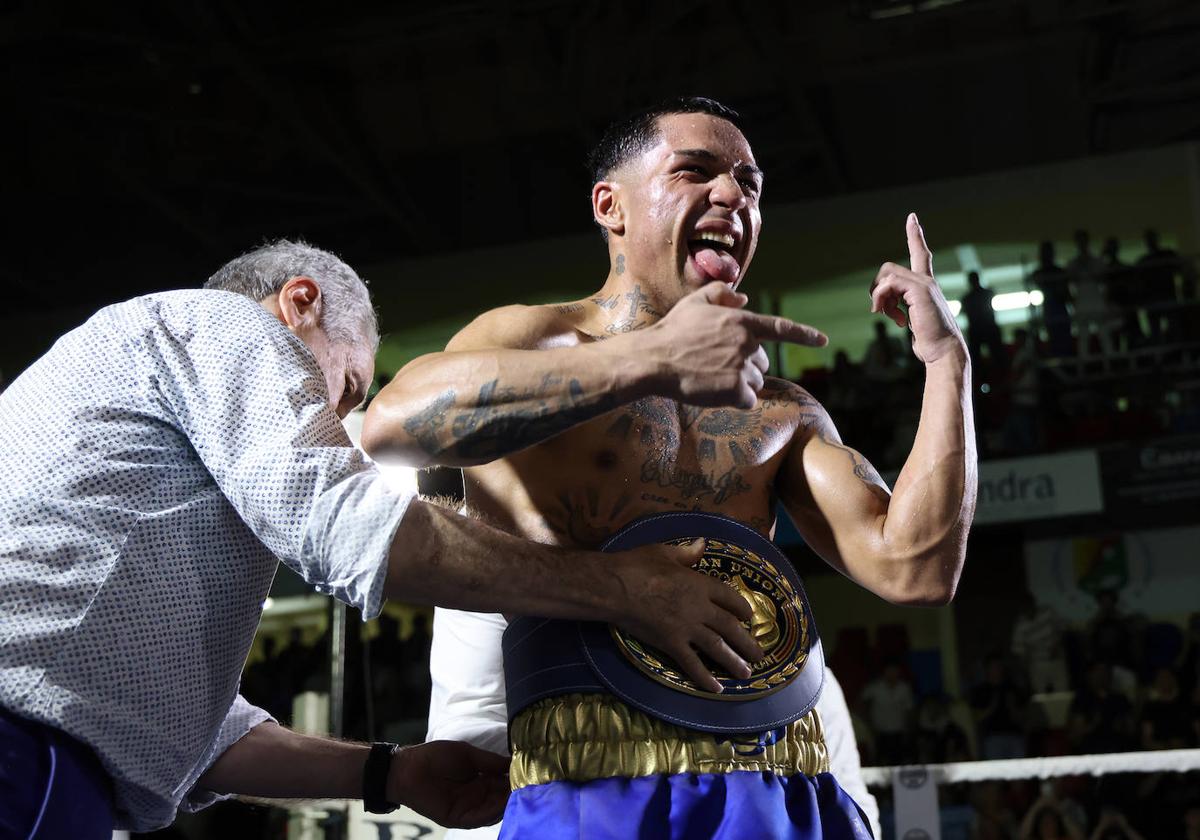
1005	302
1016	300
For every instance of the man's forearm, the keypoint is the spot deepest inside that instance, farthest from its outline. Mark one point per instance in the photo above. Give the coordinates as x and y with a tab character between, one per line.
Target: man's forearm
472	407
439	557
272	762
933	501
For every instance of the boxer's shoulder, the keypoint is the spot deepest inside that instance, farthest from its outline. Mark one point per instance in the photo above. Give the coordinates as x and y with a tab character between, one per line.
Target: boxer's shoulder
789	400
520	327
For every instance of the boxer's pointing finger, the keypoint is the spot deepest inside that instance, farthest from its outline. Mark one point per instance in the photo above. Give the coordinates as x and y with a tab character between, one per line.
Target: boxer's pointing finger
919	257
777	328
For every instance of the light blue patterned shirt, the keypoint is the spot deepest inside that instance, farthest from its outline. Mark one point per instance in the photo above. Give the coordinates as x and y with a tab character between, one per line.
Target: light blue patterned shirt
154	464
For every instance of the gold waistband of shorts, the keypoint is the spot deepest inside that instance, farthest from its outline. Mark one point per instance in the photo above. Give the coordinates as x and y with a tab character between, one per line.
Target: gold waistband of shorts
581	737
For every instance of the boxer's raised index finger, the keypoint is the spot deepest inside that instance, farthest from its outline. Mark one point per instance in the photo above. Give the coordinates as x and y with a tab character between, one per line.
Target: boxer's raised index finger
920	260
778	328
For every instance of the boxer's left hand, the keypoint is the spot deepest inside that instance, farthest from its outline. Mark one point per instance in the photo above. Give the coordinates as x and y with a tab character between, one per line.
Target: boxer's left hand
453	783
935	332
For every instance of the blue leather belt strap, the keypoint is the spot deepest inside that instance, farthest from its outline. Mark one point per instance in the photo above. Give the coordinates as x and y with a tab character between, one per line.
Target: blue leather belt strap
545	658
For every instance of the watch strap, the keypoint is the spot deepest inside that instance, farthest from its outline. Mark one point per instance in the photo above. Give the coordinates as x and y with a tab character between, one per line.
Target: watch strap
375	776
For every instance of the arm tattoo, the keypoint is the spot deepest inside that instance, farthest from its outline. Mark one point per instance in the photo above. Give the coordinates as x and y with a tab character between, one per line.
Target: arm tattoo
427	423
504	420
863	470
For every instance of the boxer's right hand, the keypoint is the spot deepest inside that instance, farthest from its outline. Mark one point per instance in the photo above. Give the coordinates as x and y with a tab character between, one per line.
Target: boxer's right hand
710	348
681	611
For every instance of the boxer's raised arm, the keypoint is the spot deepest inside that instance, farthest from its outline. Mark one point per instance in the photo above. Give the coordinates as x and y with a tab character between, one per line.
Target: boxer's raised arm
520	375
907	546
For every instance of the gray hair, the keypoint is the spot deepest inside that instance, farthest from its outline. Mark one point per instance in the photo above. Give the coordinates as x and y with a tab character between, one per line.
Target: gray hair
347	317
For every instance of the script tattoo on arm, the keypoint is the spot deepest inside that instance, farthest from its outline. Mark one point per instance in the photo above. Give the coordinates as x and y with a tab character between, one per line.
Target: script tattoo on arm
863	470
504	420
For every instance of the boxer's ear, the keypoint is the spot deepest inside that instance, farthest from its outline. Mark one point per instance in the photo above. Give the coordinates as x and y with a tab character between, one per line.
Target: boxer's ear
300	304
607	208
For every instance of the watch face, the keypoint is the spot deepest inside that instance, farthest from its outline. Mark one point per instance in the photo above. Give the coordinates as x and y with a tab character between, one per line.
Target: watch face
779	624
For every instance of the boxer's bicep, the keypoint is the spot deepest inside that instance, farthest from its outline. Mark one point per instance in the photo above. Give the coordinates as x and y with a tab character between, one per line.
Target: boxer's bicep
839	503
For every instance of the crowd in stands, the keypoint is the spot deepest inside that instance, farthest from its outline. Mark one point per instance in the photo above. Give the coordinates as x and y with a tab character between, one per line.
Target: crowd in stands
393	665
1095	362
1117	684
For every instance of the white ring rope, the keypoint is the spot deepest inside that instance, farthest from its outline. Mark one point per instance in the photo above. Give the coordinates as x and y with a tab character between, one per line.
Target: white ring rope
1151	761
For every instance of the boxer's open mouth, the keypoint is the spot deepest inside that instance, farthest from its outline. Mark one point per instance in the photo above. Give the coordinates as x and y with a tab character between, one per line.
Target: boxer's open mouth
713	254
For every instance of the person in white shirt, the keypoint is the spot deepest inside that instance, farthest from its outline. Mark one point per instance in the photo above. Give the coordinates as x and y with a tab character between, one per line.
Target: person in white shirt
155	466
890	702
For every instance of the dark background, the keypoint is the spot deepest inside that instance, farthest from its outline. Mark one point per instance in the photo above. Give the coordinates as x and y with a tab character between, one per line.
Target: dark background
147	143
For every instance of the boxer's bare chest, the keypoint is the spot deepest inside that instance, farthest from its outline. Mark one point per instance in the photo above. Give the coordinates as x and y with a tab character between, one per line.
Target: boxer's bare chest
651	456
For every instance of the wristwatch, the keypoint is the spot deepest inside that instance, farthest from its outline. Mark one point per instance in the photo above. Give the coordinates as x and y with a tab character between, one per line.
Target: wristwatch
375	776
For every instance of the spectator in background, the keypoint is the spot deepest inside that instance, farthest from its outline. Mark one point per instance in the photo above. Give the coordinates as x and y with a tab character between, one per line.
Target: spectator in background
1056	294
1047	819
982	330
1091	307
1158	268
1110	636
999	706
845	388
1021	425
889	700
1164	724
1114	826
1191	823
994	820
1189	668
1037	642
1123	293
886	357
936	730
1100	718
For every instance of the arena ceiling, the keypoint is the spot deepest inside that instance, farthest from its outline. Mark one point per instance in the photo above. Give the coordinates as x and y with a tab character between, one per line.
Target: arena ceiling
147	143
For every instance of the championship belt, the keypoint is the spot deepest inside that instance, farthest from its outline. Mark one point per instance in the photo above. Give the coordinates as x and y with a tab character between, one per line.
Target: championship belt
545	657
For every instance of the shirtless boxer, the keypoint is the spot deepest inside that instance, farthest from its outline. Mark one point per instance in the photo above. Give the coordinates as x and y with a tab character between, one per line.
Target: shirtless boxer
575	419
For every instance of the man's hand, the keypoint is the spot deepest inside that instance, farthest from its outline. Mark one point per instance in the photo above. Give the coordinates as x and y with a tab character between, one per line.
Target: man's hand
935	331
453	783
681	611
712	347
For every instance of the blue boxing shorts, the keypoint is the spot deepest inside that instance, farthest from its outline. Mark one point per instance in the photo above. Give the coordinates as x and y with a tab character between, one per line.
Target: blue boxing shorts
611	740
588	767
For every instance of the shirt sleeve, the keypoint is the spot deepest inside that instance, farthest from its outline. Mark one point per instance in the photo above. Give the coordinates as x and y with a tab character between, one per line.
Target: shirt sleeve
254	405
467	669
242	717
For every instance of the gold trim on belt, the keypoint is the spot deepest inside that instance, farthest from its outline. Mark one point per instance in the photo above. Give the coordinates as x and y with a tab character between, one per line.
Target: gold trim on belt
581	737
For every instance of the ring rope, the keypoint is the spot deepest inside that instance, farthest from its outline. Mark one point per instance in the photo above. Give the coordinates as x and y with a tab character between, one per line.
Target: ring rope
1152	761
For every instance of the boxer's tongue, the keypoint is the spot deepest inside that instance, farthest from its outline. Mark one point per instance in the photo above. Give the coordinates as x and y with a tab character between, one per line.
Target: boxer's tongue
717	264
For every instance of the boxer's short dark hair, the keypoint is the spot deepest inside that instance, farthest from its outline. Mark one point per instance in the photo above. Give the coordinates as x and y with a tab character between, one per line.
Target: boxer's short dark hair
632	135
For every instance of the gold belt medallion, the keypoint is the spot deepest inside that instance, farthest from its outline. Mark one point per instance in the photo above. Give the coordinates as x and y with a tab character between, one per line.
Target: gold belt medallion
779	625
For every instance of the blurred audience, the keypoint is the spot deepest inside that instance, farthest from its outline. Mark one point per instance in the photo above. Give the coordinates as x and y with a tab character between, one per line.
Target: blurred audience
890	702
1053	282
982	329
1037	642
1000	708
